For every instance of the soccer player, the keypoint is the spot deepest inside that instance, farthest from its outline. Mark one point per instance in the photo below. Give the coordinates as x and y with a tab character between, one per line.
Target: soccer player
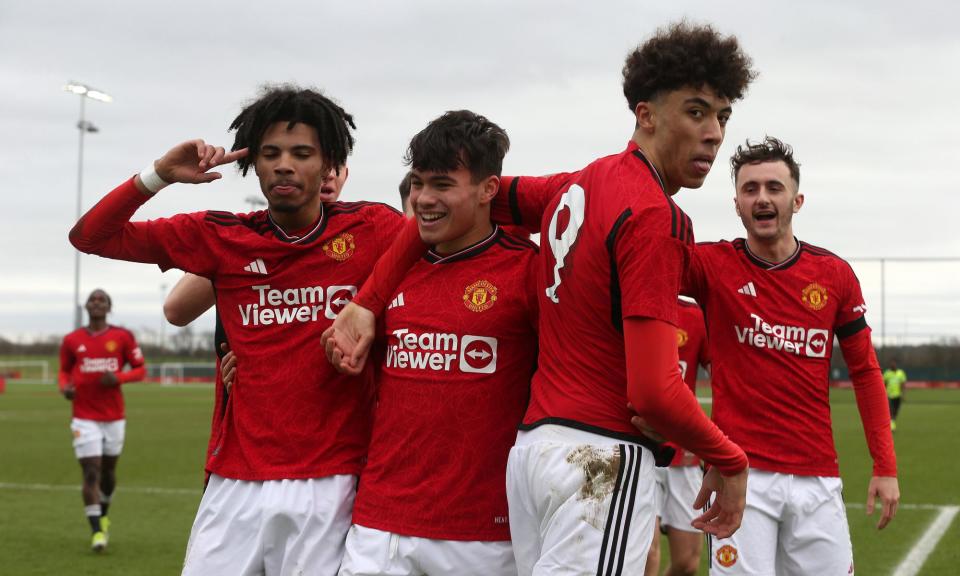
773	306
580	477
193	295
894	380
92	361
678	484
454	378
294	432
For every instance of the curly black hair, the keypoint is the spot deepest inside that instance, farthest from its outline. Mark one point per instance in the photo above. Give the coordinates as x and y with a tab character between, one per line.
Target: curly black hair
292	104
770	150
459	138
683	55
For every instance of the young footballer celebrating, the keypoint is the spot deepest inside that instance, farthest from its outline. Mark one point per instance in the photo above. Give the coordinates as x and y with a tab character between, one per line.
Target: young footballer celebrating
294	432
92	359
773	307
454	378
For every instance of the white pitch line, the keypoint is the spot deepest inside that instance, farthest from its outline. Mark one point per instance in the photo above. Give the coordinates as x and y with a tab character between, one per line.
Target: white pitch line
911	565
76	488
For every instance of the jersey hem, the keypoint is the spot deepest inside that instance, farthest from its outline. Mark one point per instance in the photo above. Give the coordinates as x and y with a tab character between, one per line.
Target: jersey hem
419	532
662	454
249	476
832	472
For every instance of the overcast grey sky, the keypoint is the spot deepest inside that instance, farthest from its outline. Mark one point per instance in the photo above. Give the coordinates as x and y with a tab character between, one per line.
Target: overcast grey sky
866	92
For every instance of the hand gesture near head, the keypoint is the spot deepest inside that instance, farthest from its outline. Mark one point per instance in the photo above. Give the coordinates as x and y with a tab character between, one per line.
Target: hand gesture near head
189	162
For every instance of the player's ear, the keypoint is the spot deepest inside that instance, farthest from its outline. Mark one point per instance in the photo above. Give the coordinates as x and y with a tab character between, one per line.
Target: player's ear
797	202
488	189
645	115
736	205
346	172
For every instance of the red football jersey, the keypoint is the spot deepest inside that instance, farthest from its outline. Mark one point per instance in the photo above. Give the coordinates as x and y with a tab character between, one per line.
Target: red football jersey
771	337
289	414
693	352
85	356
614	245
461	346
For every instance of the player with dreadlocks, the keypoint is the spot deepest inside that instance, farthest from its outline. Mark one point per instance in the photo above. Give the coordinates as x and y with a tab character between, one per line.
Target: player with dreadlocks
293	433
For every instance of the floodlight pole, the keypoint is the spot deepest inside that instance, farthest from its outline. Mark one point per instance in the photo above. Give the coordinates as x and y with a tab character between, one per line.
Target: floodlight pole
84	92
81	128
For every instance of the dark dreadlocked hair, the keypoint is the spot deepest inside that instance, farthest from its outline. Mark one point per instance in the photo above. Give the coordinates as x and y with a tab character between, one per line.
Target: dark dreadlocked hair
684	55
459	138
770	150
292	104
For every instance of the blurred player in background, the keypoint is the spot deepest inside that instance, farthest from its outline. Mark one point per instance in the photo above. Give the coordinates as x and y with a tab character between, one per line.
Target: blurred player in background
895	380
679	483
454	378
92	361
773	306
294	434
615	246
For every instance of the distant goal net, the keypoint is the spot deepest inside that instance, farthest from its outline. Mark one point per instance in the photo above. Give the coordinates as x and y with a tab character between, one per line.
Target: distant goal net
26	371
171	373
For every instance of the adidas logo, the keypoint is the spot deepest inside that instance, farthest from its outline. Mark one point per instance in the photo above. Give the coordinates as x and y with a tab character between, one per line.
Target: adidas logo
748	289
256	266
397	302
81	348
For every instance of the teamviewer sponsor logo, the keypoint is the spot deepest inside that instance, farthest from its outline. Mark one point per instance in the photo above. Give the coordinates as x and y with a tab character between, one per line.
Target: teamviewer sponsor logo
94	365
442	352
286	306
797	340
478	355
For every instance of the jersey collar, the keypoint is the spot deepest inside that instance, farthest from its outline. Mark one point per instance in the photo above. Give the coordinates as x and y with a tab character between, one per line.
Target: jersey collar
633	148
307	236
469	252
766	264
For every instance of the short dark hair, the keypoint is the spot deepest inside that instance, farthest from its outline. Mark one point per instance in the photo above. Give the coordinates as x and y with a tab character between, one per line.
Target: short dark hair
107	296
770	150
294	105
459	138
684	55
405	189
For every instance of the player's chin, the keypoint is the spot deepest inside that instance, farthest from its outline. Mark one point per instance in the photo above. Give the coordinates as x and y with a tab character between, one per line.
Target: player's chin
693	181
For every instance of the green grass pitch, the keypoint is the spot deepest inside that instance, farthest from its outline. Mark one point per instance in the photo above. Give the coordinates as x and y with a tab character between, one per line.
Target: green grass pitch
43	530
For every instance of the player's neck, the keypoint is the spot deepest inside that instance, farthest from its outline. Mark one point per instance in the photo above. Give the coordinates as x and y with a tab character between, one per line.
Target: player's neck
650	153
97	324
295	222
774	250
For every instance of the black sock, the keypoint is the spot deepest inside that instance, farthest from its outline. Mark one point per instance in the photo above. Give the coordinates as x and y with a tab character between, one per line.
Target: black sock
94	523
104	506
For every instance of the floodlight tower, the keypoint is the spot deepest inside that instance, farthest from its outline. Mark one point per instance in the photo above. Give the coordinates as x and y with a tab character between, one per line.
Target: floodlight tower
83	126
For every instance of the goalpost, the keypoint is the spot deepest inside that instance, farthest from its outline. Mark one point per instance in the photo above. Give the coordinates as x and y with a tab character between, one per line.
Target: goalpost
180	372
28	371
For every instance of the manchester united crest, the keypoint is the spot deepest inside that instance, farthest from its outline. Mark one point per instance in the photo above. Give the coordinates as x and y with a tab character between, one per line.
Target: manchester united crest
480	296
682	337
341	247
727	556
111	346
814	296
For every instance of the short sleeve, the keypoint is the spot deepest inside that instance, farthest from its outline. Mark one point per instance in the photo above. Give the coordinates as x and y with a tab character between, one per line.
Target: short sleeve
650	266
694	281
522	200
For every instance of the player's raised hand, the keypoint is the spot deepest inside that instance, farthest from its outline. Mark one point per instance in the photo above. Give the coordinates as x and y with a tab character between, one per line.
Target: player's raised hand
191	161
887	488
723	517
228	366
347	342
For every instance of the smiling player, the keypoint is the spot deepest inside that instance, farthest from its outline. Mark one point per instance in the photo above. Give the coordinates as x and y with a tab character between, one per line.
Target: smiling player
773	306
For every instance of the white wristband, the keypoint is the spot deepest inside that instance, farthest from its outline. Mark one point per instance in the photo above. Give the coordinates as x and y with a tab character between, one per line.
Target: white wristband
151	180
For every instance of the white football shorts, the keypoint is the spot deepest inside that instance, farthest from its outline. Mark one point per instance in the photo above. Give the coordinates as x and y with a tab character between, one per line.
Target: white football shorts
275	527
580	503
793	525
372	552
680	486
92	438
